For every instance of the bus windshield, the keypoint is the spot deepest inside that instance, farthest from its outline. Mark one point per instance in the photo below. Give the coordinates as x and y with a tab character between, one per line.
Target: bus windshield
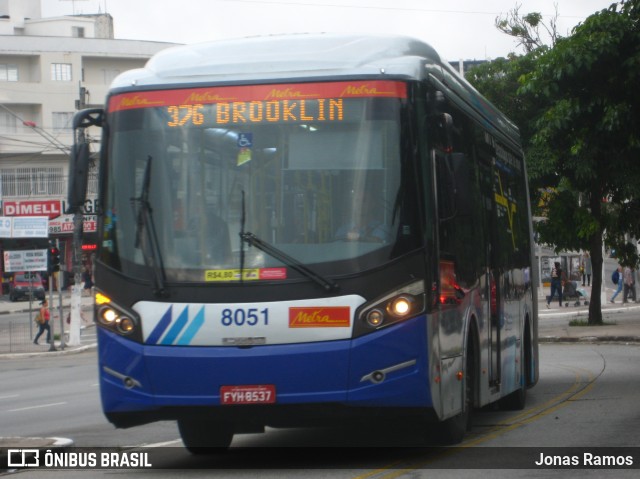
313	170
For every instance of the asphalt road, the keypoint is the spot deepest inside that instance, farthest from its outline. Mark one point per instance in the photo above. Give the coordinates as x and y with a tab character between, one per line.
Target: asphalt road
586	398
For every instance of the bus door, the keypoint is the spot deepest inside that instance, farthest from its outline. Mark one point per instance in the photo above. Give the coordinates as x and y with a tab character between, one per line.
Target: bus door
497	261
450	292
494	301
495	307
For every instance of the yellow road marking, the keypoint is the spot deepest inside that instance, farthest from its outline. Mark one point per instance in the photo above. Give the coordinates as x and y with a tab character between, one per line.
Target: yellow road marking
514	422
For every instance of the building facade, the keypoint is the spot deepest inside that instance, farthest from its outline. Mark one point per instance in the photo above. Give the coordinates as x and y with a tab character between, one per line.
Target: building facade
50	68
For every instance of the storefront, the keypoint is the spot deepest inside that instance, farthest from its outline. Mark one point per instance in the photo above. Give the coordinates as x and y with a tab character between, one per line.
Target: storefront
60	231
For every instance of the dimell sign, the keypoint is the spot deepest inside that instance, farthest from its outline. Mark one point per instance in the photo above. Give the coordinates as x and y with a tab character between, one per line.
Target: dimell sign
49	208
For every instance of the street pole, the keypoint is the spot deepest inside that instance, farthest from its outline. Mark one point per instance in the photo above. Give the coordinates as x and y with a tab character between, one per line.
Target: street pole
540	289
603	292
52	347
60	310
76	290
57	273
30	306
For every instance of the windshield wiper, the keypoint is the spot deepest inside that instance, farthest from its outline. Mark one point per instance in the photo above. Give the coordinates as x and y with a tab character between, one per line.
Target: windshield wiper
253	240
146	226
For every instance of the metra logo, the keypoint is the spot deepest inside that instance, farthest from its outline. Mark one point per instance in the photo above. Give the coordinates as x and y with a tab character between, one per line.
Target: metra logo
137	100
364	90
205	97
320	317
289	93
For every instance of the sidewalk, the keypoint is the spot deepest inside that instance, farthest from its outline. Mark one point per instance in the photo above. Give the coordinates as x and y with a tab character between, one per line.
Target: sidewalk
16	336
621	321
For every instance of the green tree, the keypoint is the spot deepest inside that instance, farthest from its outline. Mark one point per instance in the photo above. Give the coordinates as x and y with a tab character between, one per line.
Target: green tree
577	111
589	126
500	81
526	28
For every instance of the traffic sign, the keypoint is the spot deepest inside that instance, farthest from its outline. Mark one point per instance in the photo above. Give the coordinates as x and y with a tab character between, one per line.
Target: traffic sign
25	260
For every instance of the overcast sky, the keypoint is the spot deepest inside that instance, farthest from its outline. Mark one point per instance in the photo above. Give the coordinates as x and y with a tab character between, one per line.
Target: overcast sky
458	29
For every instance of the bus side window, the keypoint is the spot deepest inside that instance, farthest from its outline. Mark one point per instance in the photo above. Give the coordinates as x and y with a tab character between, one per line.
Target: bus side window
454	186
452	171
445	188
459	199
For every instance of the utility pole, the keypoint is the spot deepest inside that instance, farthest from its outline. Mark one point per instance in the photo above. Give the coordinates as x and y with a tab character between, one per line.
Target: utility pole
57	276
53	265
76	289
76	262
75	316
52	347
77	196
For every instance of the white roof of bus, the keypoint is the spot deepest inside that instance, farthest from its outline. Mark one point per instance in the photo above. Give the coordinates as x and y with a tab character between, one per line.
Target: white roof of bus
284	57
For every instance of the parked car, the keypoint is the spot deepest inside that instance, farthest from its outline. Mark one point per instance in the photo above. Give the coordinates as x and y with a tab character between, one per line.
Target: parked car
22	283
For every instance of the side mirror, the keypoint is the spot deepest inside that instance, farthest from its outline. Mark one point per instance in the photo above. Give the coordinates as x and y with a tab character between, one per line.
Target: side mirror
79	161
78	177
444	123
89	117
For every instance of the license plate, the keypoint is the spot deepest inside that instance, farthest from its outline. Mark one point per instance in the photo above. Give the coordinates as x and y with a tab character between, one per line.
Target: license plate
248	394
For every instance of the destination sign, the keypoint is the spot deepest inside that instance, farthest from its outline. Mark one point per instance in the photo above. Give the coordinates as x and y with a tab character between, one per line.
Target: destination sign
233	105
272	111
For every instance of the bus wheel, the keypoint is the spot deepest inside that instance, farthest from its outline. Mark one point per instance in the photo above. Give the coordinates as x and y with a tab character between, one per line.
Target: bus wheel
205	437
453	430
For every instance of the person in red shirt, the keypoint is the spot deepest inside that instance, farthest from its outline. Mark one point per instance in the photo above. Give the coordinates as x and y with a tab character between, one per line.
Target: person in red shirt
44	325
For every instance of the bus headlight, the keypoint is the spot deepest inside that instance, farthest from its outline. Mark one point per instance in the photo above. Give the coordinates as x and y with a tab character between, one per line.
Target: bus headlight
375	317
126	325
108	315
401	304
115	318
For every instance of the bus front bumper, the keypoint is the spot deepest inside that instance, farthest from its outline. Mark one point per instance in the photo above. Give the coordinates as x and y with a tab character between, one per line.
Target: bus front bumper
385	370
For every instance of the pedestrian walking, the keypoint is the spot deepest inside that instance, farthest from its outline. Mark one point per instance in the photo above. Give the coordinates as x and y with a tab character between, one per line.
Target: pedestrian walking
556	283
629	280
616	278
43	324
587	269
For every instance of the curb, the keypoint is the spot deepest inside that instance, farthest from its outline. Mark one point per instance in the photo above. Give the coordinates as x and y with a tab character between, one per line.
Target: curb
589	339
82	306
35	442
28	448
59	352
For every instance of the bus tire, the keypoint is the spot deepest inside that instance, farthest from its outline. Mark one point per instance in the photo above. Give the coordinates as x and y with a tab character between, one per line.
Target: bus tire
205	437
453	430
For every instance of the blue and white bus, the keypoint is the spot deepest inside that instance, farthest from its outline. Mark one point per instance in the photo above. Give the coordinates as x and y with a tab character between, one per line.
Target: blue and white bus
296	230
